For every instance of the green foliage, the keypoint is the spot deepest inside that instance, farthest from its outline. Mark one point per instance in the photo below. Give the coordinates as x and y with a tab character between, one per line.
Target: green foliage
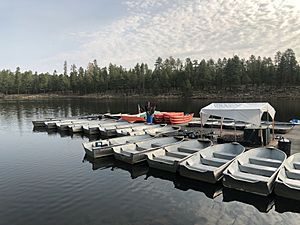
168	75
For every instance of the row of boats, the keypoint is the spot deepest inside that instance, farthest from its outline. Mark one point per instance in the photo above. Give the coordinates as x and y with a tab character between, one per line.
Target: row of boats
107	127
258	170
212	191
279	127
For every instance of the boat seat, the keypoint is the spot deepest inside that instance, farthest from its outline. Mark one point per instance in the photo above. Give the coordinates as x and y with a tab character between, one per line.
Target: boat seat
292	182
155	145
202	167
293	173
165	159
126	152
257	169
212	161
249	176
139	148
187	149
224	155
297	165
178	154
265	161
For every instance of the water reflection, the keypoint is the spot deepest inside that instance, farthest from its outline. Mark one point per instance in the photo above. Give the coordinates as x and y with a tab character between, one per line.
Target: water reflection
42	176
185	184
286	205
262	203
210	190
64	134
110	162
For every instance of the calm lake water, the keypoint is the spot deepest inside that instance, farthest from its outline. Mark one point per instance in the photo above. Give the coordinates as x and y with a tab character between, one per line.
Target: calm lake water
46	179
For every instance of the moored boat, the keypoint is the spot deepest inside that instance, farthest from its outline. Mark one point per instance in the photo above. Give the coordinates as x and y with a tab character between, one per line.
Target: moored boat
134	153
287	183
168	158
101	148
109	130
156	130
135	128
208	164
64	126
41	122
52	124
255	170
94	128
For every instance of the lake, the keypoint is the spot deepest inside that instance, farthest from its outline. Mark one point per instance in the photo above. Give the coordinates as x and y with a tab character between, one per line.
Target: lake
46	178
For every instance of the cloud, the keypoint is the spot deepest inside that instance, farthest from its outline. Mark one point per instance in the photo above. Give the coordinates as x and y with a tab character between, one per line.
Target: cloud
191	28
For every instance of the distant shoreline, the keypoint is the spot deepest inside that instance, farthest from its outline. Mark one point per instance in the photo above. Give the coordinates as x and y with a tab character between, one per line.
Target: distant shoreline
238	93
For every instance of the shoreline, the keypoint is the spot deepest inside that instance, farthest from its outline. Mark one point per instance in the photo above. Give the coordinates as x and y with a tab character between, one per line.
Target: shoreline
238	93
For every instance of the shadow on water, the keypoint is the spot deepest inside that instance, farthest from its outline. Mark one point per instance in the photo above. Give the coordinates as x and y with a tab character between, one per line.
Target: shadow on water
66	133
286	205
185	184
210	190
262	203
110	162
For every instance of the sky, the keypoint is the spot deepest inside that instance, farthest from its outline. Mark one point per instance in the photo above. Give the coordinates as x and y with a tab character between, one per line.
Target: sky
40	35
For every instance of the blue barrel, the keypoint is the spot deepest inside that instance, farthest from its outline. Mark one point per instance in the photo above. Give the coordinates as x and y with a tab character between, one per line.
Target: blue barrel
149	118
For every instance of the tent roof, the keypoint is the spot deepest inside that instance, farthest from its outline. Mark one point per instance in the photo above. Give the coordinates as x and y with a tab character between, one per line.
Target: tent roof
246	112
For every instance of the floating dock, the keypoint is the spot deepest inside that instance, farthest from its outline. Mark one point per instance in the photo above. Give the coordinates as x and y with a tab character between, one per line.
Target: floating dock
294	137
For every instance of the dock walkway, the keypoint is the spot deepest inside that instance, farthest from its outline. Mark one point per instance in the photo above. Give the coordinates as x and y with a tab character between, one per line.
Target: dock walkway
294	137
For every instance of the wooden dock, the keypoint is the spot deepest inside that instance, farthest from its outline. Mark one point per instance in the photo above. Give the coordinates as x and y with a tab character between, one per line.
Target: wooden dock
294	137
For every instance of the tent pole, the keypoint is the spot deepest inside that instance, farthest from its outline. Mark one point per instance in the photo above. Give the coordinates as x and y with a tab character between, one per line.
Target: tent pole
273	129
221	128
261	132
234	131
267	126
201	126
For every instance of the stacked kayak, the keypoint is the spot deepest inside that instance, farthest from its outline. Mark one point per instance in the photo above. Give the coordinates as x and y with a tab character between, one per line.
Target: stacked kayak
287	184
165	117
181	119
255	170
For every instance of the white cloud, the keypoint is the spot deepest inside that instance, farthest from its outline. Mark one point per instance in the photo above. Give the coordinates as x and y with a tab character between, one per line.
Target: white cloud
191	28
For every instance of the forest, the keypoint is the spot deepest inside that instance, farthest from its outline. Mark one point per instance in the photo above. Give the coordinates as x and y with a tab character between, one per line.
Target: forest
167	75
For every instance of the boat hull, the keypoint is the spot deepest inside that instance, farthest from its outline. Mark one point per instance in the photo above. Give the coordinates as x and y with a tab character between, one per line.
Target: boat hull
206	176
99	153
170	167
284	191
257	187
108	133
91	130
130	158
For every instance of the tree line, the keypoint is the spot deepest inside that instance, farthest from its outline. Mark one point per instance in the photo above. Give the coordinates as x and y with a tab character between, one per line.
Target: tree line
167	75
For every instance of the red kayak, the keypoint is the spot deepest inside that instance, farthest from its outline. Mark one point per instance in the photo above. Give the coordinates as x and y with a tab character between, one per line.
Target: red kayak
179	119
133	118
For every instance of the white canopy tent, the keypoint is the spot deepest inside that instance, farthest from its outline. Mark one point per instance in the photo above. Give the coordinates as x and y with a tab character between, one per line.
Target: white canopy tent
245	112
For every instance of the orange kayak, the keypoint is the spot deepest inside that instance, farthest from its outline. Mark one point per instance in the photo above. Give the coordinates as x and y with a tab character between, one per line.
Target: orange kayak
179	119
133	118
165	116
